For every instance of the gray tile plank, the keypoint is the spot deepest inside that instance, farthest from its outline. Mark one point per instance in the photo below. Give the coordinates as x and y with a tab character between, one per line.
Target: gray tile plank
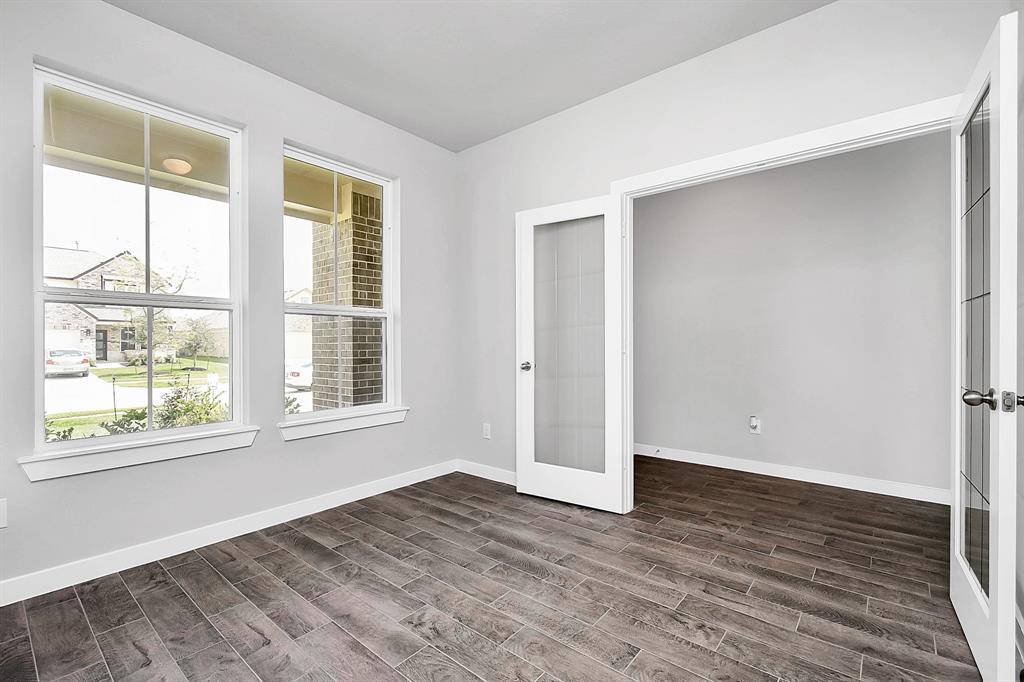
50	598
134	651
488	621
552	656
219	663
12	622
341	655
374	590
430	665
146	578
211	592
271	653
545	570
326	535
681	564
635	584
254	544
647	667
380	634
473	584
178	621
451	533
62	640
468	648
282	605
388	524
384	565
16	662
385	542
297	574
107	603
797	643
698	631
452	552
309	550
554	596
179	559
230	561
776	661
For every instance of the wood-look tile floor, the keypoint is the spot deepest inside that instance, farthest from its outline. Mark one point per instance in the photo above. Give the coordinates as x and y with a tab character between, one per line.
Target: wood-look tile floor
716	575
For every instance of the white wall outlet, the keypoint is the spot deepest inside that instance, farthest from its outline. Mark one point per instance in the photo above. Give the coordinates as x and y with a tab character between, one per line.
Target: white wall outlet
755	425
487	431
3	513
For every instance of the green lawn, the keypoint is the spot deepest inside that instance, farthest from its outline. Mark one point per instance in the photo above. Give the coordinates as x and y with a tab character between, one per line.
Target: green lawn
166	375
86	422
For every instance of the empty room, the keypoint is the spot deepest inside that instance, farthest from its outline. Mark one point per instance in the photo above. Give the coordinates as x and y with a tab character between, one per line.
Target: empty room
536	340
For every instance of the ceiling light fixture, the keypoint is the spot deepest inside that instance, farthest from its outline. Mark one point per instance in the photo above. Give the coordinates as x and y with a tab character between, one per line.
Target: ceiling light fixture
177	166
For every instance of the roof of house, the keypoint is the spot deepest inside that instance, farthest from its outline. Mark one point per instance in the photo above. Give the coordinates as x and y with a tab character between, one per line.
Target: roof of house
65	263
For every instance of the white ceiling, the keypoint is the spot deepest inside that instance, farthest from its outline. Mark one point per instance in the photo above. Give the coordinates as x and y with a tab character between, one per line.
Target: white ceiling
459	72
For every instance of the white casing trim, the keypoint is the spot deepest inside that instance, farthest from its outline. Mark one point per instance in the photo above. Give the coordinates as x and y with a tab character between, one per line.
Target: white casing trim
49	579
910	491
1020	641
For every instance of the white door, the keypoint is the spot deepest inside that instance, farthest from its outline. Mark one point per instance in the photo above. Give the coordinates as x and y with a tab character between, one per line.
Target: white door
983	524
569	359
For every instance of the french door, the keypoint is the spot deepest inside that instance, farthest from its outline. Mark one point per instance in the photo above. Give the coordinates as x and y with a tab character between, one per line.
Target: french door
983	523
569	354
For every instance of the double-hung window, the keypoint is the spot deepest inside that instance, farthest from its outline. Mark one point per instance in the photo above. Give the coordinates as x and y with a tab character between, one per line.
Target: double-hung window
137	272
339	298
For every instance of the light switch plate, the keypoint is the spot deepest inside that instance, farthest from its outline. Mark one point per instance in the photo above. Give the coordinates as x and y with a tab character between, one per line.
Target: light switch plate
487	431
755	425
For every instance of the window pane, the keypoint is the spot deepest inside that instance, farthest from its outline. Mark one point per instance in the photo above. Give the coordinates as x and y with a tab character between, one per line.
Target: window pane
94	368
191	353
188	210
308	235
333	237
360	243
94	202
333	362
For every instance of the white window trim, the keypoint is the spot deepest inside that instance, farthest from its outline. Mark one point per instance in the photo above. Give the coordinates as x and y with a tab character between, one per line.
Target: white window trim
392	410
65	458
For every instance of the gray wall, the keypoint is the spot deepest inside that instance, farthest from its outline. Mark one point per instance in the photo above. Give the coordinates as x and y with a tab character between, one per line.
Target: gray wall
815	296
61	520
816	70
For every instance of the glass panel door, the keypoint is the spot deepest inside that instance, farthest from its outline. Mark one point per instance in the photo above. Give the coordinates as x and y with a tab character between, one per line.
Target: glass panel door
568	277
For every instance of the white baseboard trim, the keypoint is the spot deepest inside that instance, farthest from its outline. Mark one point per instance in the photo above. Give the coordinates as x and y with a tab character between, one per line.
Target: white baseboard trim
911	491
49	579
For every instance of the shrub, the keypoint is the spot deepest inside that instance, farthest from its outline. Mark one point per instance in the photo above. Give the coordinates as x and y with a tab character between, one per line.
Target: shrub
188	406
291	405
53	433
131	420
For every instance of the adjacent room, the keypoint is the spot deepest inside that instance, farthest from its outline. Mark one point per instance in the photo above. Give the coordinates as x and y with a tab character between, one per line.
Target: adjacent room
543	340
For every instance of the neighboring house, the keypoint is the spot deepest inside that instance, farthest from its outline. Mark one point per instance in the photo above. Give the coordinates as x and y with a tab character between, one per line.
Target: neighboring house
104	333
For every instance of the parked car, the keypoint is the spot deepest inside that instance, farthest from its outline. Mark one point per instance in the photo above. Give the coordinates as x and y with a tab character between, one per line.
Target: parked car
299	376
60	362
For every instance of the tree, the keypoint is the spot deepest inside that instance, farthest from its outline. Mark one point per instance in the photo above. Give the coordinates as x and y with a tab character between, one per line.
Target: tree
197	340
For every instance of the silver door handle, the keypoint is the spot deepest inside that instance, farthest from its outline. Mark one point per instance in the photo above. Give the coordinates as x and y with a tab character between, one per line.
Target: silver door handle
973	398
526	366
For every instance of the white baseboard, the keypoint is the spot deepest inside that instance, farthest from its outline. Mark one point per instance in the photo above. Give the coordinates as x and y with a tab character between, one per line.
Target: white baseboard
910	491
49	579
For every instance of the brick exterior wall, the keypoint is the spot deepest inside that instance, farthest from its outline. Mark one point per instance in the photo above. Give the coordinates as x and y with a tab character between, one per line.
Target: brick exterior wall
348	353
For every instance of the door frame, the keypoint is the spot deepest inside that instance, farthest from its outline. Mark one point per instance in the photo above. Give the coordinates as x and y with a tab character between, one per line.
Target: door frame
900	124
591	489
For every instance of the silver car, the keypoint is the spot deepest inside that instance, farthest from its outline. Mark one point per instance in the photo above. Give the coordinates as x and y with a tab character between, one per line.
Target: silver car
62	362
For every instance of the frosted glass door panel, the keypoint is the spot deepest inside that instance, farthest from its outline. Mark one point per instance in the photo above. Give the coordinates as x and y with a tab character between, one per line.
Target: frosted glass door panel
569	413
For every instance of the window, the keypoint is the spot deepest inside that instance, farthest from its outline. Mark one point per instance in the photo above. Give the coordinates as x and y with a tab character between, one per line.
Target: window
338	292
138	272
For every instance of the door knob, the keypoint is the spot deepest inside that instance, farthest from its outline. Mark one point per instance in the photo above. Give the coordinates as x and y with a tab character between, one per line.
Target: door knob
973	398
526	366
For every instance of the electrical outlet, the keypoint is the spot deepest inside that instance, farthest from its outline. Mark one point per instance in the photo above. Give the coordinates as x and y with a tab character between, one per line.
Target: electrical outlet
755	425
487	431
3	513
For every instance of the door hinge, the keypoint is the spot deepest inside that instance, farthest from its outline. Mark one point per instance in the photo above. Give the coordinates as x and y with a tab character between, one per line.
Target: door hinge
1010	400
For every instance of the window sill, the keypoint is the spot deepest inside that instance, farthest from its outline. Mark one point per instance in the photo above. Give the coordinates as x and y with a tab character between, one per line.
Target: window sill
99	457
293	429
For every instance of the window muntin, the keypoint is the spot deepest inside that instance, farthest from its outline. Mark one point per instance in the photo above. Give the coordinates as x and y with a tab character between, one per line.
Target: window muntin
338	322
137	214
